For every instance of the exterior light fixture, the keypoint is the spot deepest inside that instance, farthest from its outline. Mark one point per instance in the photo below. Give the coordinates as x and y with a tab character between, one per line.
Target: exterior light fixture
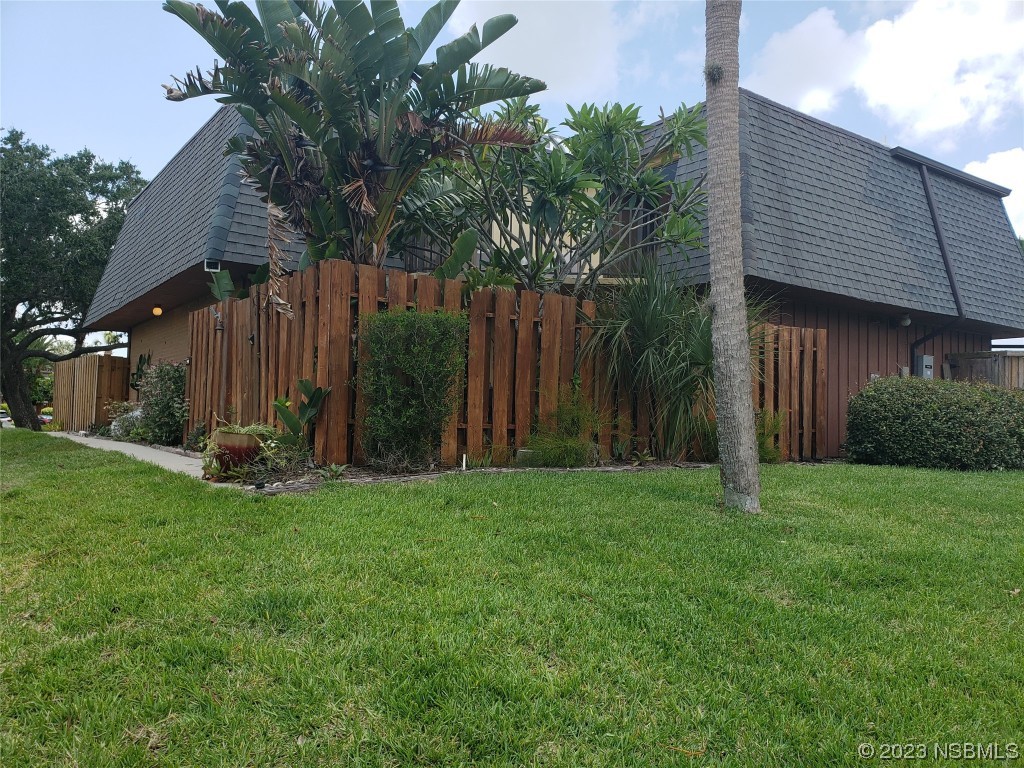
157	310
905	320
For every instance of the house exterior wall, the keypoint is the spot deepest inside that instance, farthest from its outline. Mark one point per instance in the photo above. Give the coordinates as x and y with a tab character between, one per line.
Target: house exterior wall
165	337
861	344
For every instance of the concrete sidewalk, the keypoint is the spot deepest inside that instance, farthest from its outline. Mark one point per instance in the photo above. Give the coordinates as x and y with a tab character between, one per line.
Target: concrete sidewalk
175	462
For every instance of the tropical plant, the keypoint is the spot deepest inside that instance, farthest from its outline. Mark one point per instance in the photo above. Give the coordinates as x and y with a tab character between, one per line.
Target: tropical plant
565	437
655	337
737	438
163	407
570	209
140	370
61	216
300	423
345	112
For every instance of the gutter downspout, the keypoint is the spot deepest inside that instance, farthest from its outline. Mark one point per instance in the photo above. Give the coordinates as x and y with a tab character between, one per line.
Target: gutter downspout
947	262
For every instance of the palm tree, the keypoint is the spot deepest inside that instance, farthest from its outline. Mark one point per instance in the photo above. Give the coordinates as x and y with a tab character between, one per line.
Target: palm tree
737	439
345	113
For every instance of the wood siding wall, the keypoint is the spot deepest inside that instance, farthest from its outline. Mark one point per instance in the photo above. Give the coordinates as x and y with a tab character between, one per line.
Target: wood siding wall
83	387
862	345
522	349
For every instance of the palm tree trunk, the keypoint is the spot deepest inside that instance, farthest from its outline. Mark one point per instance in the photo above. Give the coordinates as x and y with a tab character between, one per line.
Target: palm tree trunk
737	439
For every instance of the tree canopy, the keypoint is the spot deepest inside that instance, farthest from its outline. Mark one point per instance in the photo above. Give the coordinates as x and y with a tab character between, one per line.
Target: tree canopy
61	217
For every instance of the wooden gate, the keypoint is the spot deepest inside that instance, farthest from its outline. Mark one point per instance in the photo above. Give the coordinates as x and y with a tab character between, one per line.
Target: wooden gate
83	387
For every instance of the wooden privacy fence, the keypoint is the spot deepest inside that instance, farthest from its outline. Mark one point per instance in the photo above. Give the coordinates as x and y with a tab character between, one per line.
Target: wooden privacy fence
1003	368
523	349
83	387
790	379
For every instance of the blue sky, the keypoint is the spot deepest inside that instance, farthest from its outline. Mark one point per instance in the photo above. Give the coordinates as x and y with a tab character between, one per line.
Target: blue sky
943	78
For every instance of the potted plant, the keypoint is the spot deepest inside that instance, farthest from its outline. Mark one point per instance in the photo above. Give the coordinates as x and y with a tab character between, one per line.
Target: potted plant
235	446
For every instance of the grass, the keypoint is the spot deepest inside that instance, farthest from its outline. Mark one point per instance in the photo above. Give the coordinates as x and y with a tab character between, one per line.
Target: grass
492	620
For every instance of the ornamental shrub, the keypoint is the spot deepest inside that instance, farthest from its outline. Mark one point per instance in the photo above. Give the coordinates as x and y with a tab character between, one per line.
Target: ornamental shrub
568	439
410	378
940	424
163	404
125	418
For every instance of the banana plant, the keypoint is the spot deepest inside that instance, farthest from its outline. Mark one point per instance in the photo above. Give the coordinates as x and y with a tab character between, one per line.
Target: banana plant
345	113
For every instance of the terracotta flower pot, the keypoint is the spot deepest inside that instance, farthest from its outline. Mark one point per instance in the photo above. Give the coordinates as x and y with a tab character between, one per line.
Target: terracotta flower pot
234	449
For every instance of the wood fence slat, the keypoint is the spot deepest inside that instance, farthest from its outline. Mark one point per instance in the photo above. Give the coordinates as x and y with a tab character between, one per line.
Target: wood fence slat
504	364
624	419
428	293
296	335
785	340
450	437
643	423
589	311
567	361
309	322
794	392
525	365
214	382
236	363
606	407
282	378
550	356
398	289
820	393
476	388
341	366
252	356
807	392
328	420
369	301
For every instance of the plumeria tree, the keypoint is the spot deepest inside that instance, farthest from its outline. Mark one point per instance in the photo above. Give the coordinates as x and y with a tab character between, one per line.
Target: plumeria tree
563	210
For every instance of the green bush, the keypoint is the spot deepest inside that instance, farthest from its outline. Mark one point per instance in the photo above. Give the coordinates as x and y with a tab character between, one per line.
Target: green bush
939	424
47	411
164	408
569	440
416	360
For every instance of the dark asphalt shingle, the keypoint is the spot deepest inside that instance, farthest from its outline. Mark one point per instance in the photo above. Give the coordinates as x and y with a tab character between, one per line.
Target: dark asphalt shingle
196	208
831	211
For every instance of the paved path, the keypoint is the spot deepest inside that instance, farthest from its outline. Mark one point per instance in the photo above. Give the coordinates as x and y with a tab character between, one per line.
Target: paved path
175	462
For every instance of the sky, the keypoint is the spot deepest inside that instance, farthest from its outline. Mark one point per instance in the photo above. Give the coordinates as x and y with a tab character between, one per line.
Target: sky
944	79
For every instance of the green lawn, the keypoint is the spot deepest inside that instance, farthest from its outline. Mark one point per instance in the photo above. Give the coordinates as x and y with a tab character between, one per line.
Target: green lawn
530	619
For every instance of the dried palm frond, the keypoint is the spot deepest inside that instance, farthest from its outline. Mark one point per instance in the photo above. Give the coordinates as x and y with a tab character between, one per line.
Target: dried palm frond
276	233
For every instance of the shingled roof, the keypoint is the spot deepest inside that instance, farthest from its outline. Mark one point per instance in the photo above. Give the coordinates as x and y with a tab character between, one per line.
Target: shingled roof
196	208
829	211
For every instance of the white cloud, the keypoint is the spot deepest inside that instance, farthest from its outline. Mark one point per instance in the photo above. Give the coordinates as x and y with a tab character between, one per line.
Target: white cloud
808	66
571	46
929	71
1006	169
942	65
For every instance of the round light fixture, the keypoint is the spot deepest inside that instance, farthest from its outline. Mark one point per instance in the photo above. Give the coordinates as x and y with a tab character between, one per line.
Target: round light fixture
157	310
905	320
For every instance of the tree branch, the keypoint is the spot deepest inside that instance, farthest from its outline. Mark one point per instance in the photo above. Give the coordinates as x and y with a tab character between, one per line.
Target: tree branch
53	357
